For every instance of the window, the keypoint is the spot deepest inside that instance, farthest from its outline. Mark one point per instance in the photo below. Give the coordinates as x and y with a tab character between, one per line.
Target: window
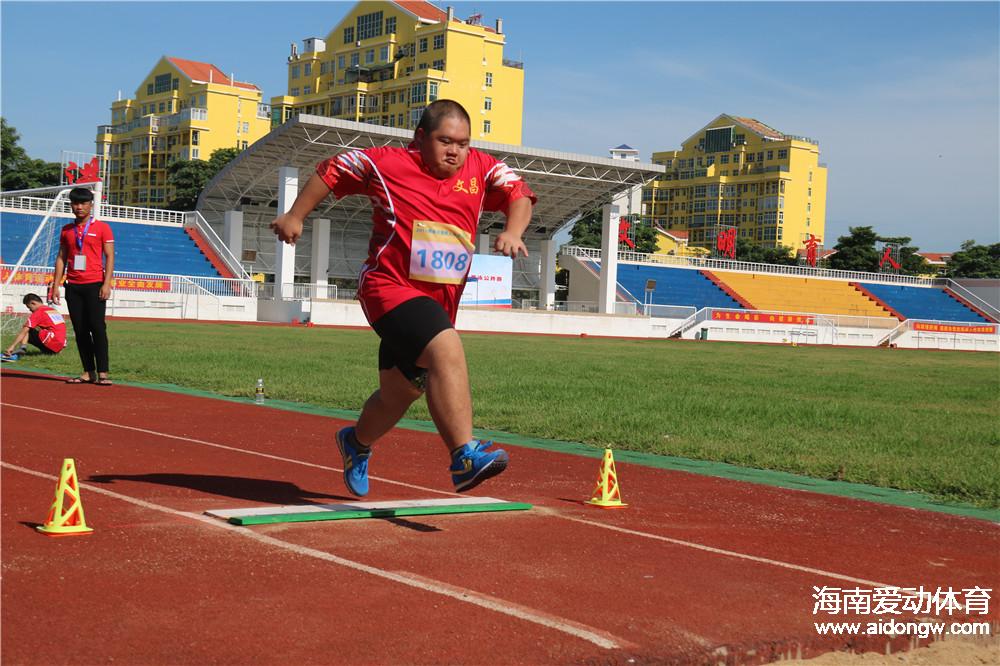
488	104
369	25
348	35
809	207
418	93
354	59
783	154
341	62
809	192
810	176
149	89
195	153
295	71
175	84
163	107
423	44
415	116
307	90
246	128
383	54
724	159
487	126
295	92
770	155
489	79
390	25
432	93
438	64
736	158
307	69
162	83
423	65
369	56
439	41
324	67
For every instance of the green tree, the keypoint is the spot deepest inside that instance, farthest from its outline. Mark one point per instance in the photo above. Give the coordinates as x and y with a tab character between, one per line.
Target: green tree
587	232
19	171
857	252
975	261
189	177
758	254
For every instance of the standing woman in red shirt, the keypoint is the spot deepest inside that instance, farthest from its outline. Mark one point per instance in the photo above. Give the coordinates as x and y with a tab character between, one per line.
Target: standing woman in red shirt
87	248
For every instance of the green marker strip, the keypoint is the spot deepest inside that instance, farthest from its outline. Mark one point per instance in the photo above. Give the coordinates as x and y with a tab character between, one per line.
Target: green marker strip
299	513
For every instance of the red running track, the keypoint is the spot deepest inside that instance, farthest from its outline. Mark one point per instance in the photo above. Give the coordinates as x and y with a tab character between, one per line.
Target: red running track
696	570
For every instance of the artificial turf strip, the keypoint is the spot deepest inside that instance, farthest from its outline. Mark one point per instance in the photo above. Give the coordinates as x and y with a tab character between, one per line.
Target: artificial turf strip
267	519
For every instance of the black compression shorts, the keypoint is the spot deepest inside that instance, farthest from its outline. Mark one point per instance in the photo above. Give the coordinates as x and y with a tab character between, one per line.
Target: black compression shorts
406	330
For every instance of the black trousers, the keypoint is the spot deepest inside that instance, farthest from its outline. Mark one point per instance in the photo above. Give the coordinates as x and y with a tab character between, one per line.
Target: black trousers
86	311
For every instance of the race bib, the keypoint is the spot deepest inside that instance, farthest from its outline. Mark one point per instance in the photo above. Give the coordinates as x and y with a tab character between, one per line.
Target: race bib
56	317
440	252
79	262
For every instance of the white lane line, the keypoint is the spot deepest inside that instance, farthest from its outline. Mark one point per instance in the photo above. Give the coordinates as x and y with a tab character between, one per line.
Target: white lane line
549	512
596	636
720	551
215	445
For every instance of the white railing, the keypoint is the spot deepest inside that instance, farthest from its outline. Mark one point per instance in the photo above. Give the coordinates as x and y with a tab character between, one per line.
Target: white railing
107	211
303	291
594	254
195	219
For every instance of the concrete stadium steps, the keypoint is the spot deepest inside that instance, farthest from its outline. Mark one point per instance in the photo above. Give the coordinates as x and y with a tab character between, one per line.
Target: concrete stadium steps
797	294
925	303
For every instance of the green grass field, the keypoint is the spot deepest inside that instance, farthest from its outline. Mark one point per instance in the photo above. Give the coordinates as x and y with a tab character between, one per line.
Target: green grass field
913	420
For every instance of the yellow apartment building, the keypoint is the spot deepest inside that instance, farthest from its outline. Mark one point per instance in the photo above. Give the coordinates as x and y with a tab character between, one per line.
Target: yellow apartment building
385	61
182	110
738	172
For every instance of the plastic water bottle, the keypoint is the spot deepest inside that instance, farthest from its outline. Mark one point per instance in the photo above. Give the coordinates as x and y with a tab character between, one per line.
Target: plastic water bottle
258	395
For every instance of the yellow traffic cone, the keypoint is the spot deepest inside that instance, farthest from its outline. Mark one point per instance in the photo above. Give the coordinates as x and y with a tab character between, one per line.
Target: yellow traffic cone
607	494
66	515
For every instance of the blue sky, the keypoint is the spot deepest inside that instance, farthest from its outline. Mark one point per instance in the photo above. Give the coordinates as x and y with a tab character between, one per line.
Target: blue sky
904	98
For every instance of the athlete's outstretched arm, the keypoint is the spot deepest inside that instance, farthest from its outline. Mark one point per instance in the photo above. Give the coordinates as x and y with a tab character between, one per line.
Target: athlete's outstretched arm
509	242
288	226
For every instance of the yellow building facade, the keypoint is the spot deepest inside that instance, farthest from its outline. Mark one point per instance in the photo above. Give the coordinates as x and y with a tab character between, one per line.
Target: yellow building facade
182	110
385	61
738	172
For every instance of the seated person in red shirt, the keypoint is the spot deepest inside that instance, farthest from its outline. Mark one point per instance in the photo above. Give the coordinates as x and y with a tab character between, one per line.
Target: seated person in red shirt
44	329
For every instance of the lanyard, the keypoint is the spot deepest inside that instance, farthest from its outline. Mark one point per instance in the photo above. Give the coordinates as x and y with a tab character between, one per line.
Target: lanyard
79	236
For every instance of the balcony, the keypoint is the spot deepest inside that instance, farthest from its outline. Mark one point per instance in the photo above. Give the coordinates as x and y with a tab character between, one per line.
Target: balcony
516	64
152	122
193	114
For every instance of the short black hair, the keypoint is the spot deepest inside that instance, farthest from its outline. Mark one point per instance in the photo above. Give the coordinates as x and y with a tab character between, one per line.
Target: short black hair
32	298
431	118
80	195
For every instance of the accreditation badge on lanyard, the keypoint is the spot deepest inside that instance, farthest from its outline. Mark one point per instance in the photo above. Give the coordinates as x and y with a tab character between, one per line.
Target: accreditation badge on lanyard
80	259
440	252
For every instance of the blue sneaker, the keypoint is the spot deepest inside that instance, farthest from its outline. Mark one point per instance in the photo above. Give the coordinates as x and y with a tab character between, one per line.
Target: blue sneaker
355	464
8	358
472	464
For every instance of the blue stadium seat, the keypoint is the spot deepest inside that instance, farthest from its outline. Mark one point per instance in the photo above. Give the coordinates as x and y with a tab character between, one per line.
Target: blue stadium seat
139	248
674	286
923	303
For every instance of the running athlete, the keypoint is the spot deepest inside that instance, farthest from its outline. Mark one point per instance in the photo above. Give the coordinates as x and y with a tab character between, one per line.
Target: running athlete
45	329
426	201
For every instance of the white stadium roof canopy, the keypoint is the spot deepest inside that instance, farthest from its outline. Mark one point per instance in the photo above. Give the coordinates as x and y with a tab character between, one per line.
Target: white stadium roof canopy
567	184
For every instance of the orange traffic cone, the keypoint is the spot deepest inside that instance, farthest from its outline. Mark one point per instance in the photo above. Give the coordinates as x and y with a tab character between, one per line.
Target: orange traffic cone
607	494
66	515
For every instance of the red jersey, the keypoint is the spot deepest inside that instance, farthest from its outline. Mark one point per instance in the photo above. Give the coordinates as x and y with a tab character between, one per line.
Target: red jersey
51	327
423	228
92	239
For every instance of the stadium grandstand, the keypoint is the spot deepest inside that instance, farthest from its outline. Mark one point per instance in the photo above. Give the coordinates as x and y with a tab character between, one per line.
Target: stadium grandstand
199	264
